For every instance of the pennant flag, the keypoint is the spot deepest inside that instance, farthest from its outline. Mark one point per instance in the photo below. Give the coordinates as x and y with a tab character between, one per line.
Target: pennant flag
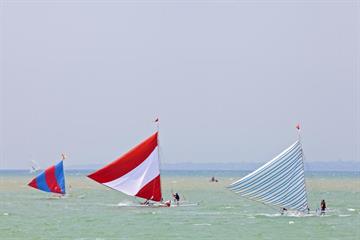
50	180
156	120
136	173
298	126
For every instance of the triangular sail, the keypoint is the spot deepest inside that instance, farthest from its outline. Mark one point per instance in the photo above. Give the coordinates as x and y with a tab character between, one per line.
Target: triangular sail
280	182
136	173
51	179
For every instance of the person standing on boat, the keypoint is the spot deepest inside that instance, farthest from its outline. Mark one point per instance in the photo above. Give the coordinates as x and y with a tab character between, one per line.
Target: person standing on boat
176	198
322	207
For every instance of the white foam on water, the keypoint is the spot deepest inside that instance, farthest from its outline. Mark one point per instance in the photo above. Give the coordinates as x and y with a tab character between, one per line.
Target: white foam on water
351	210
121	204
286	214
125	204
202	224
297	214
291	222
6	214
344	215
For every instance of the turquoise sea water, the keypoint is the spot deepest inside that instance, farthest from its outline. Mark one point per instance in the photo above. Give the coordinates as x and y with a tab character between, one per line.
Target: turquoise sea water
91	211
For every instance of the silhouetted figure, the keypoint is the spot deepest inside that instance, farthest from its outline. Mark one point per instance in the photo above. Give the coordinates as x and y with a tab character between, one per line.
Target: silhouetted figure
176	198
322	207
213	179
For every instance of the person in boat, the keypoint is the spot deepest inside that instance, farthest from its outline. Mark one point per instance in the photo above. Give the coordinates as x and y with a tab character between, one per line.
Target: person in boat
176	198
283	210
147	202
213	179
322	207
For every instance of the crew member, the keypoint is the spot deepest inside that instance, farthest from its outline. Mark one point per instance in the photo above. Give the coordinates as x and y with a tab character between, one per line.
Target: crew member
176	198
322	207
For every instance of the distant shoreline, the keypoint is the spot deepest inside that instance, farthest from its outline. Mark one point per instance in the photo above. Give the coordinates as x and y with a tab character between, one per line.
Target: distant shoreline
338	166
84	171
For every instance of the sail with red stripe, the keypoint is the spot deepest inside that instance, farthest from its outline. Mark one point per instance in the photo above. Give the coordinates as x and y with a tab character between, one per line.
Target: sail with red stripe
51	179
136	173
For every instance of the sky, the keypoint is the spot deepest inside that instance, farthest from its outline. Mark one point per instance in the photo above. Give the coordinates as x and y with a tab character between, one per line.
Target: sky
229	80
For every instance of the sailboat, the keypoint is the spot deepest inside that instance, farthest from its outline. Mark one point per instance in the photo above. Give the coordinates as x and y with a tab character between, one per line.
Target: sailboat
34	168
278	183
136	173
51	179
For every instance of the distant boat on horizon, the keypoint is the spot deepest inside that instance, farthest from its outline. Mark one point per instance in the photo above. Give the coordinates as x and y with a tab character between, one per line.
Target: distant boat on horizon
34	168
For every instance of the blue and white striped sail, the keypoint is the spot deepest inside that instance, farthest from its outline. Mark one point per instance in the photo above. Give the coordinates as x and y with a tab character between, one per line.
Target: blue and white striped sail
280	182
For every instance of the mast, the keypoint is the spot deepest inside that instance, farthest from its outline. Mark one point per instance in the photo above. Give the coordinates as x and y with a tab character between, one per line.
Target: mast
157	123
303	164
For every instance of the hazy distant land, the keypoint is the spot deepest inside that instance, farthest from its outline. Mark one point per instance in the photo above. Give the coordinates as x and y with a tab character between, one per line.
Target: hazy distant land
352	166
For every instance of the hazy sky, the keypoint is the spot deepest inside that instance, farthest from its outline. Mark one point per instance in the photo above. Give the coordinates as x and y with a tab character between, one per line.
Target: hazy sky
228	79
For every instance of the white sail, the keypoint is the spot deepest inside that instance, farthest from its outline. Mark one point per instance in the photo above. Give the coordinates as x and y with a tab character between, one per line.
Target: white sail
280	182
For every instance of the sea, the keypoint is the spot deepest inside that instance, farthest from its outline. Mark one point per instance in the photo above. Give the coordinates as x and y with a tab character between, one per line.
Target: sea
210	210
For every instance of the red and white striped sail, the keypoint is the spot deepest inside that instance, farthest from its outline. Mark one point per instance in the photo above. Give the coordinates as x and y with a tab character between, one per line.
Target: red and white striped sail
136	173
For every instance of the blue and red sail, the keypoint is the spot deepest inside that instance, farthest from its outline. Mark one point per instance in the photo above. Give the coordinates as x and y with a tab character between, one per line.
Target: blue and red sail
50	180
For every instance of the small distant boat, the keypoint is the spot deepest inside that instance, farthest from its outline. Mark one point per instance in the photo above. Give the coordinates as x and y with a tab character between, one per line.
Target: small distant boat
51	179
213	179
136	173
279	183
34	168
